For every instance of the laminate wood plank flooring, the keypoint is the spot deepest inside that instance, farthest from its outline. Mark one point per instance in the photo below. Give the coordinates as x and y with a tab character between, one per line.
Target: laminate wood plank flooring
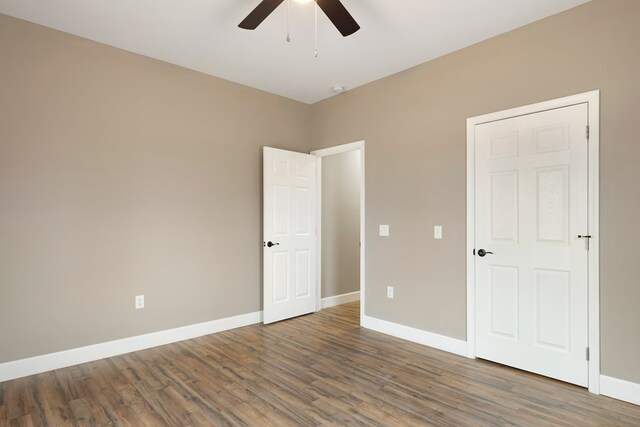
316	370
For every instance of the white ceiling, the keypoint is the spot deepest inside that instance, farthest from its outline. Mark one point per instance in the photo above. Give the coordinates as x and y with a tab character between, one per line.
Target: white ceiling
203	35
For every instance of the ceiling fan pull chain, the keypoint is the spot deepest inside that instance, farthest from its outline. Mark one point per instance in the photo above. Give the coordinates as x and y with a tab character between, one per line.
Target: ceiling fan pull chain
288	7
315	9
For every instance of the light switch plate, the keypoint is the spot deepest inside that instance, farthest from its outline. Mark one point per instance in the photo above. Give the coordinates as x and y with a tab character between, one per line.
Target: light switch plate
390	292
437	232
384	230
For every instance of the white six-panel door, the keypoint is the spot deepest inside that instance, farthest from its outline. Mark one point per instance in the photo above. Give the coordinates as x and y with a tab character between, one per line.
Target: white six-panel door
531	206
289	234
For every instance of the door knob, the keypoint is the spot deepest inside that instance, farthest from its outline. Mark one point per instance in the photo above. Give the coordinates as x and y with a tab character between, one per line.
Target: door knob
270	244
482	252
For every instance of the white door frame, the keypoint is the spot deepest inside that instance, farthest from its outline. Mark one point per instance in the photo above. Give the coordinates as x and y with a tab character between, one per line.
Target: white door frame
345	148
592	99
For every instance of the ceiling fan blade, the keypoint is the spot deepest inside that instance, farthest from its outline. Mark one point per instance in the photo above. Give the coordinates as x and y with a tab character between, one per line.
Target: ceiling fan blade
259	14
339	15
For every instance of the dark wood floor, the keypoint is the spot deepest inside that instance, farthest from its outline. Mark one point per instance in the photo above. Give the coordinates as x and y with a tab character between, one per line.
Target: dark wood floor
321	369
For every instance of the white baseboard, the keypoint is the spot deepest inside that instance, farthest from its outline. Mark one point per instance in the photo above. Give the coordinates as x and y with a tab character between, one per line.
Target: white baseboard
419	336
620	389
48	362
340	299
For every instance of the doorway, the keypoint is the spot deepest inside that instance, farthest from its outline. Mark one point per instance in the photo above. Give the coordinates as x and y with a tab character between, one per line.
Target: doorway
292	231
341	225
532	281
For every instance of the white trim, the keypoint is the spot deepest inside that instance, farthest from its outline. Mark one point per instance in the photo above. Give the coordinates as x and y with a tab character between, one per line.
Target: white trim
419	336
345	148
471	233
620	389
318	233
593	101
340	299
48	362
339	149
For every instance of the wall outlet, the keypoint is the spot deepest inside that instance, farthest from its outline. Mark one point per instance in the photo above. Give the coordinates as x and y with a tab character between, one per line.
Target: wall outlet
437	232
384	231
139	302
390	292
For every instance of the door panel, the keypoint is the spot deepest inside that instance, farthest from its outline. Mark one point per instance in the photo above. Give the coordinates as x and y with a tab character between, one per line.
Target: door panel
290	224
505	313
504	206
553	309
531	205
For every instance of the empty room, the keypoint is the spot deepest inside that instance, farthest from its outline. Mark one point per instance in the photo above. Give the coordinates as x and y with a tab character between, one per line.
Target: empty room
319	213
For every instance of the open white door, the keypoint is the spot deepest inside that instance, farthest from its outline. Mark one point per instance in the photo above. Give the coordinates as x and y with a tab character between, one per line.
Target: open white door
289	234
532	242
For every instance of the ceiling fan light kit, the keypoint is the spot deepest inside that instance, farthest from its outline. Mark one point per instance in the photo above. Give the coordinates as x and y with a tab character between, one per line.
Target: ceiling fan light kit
334	9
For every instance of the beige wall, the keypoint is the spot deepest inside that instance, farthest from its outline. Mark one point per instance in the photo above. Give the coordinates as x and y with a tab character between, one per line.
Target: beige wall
121	175
414	127
341	224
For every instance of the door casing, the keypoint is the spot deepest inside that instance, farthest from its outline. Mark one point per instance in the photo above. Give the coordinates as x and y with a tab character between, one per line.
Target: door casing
593	101
345	148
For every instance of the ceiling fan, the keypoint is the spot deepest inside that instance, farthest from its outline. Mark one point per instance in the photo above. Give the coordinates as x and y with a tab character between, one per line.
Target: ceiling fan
334	9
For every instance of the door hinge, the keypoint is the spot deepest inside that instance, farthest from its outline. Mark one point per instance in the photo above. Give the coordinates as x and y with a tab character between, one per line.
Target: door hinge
588	132
587	238
587	354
